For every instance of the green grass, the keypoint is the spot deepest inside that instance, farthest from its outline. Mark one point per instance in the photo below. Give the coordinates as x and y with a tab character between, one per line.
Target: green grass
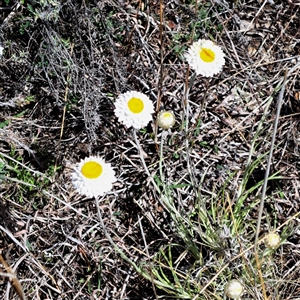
26	184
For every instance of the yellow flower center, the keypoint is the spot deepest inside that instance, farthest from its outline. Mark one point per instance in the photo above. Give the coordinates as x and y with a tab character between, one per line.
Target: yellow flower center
207	55
91	170
136	105
167	115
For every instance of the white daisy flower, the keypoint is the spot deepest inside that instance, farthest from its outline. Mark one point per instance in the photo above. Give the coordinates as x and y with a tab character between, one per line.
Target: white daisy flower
134	109
93	177
234	289
205	57
166	119
272	240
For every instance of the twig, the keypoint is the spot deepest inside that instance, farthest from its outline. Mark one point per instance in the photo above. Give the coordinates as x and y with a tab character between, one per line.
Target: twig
161	73
13	278
161	19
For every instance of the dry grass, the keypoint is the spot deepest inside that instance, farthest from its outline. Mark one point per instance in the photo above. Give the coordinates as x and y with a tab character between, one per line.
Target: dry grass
182	217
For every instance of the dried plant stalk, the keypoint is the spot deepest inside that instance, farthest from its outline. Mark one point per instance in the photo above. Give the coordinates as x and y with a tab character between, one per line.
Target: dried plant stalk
13	278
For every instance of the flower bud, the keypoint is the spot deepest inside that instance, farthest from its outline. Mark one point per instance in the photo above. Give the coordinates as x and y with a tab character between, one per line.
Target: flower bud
234	289
166	119
272	240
